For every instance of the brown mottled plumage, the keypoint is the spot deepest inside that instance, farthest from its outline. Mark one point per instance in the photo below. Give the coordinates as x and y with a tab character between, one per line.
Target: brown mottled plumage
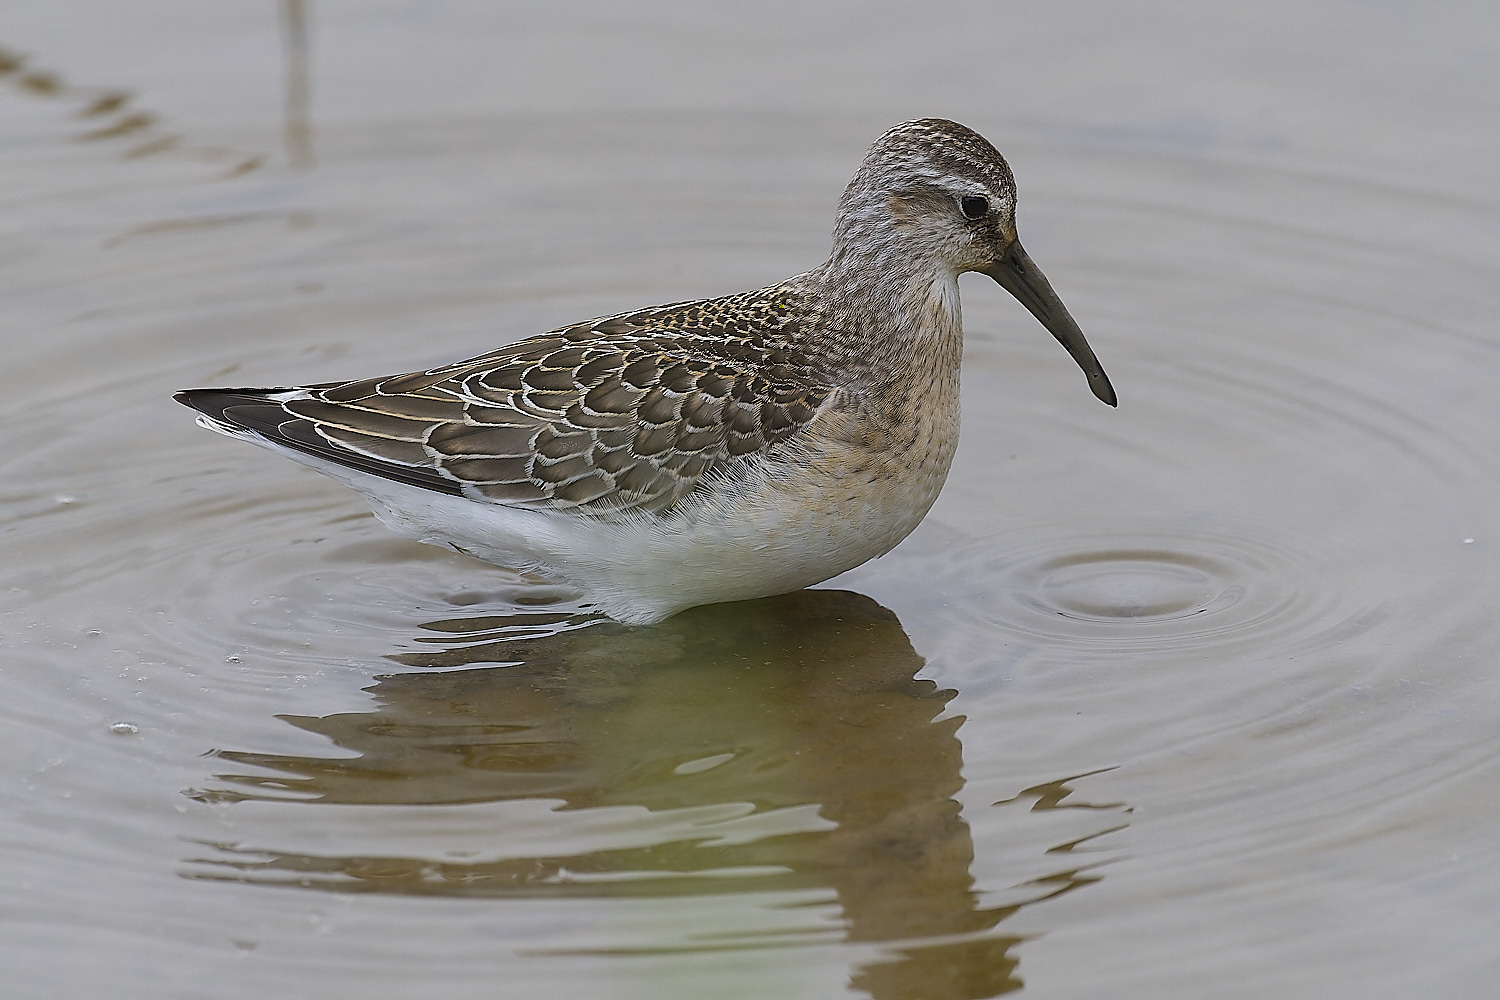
702	451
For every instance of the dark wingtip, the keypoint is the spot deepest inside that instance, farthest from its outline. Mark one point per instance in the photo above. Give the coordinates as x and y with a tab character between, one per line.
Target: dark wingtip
191	397
247	409
215	401
209	401
251	410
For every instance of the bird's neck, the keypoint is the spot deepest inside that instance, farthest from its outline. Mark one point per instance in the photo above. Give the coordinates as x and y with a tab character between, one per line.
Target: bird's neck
898	310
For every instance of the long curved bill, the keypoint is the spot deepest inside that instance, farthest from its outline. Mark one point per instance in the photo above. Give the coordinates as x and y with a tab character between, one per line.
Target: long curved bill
1018	275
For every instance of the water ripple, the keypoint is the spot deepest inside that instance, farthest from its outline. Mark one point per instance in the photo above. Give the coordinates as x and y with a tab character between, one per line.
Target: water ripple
1136	589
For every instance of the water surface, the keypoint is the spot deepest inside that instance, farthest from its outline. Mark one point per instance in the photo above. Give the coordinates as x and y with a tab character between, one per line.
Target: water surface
1193	698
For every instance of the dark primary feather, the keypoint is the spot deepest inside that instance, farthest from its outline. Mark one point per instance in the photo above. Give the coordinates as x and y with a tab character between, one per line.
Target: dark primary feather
622	413
251	410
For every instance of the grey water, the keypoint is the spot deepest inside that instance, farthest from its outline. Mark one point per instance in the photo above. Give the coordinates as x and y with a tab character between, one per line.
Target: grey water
1196	697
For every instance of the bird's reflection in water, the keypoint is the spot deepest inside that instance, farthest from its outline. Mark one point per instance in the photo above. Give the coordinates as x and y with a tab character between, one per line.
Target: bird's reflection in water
806	703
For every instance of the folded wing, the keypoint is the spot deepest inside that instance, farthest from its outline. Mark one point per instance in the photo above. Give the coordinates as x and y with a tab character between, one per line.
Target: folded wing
602	417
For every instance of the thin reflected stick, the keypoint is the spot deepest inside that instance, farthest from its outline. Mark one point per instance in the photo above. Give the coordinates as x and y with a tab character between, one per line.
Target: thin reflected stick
299	137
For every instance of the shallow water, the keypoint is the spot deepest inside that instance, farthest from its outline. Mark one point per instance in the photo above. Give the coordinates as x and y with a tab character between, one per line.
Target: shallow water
1196	697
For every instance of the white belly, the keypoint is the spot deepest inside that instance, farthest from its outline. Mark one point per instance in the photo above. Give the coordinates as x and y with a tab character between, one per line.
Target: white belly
732	546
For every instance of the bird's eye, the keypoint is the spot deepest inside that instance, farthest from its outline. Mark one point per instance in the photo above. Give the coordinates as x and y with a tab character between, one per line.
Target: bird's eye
974	207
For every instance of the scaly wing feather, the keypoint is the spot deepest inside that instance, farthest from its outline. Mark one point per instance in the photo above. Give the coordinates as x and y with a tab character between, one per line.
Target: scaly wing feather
626	413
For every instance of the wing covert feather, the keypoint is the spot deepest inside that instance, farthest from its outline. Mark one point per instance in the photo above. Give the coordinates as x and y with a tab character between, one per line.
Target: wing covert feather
621	414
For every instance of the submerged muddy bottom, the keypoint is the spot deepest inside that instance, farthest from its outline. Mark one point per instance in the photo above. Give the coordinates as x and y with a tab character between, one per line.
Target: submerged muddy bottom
1196	697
